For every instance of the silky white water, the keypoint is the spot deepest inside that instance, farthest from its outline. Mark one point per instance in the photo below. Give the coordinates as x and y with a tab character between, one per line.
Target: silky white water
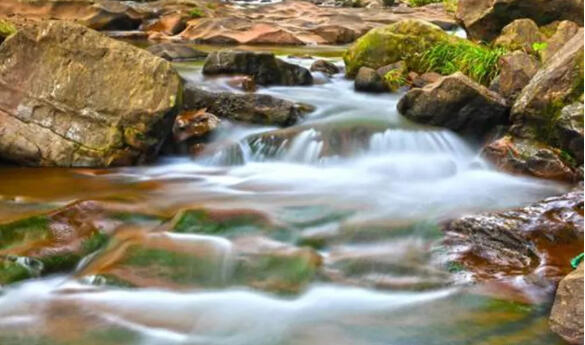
350	168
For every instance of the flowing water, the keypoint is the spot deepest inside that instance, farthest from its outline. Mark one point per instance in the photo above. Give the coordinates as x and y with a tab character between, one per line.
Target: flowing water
353	179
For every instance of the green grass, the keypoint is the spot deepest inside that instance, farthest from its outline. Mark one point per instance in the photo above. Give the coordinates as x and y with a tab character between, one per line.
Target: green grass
417	3
479	62
395	79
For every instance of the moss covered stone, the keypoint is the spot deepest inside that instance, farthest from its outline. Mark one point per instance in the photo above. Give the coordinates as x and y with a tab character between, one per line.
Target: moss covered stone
405	40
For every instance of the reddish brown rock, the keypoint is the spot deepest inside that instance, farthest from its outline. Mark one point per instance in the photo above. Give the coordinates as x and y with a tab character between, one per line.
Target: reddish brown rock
96	14
194	124
538	240
299	22
525	156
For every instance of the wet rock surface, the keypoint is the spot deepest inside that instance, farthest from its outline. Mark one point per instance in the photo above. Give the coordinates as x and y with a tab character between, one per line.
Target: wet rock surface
530	157
253	108
73	97
539	239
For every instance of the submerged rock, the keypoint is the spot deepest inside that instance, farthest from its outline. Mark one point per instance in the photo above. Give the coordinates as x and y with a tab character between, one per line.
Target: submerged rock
264	67
176	52
530	157
188	260
253	108
538	239
392	43
56	241
73	97
566	317
455	102
484	19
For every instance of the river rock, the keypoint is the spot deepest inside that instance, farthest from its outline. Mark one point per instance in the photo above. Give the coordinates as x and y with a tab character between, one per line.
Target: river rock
564	31
194	124
392	43
176	52
566	317
420	80
170	24
96	14
74	97
484	19
57	240
369	80
558	83
516	70
252	108
189	260
299	23
540	238
455	102
264	67
520	34
568	129
530	157
325	66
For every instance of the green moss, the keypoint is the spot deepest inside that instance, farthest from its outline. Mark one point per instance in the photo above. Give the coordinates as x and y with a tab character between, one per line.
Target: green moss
406	40
196	13
177	267
29	229
199	221
6	29
281	273
12	271
417	3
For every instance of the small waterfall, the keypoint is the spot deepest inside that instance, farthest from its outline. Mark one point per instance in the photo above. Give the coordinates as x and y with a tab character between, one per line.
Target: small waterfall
305	147
419	141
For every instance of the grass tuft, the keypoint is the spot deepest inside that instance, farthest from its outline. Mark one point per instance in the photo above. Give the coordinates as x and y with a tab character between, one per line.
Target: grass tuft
479	62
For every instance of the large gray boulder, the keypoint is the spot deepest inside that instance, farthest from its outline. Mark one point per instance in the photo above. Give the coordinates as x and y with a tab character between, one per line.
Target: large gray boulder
70	96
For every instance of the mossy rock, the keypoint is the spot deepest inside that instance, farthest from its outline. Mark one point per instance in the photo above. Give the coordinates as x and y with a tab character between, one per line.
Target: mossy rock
222	222
405	40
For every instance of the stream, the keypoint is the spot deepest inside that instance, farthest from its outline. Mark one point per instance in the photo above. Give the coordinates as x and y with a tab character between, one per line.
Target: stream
355	180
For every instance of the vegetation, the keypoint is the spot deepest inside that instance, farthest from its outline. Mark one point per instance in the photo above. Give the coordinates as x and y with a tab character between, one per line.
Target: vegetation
395	79
196	13
478	62
6	28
